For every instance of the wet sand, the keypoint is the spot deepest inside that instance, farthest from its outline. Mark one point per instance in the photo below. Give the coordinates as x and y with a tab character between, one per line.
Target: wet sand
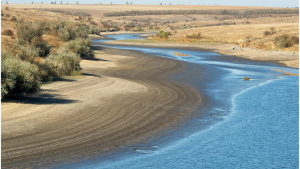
123	97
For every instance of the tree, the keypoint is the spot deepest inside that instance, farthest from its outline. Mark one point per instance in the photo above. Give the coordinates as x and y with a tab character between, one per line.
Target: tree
42	2
111	3
60	2
126	2
77	2
31	2
160	3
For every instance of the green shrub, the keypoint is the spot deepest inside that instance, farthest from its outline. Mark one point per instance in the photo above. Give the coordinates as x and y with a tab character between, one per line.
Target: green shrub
41	45
285	41
81	46
63	63
46	73
31	33
27	53
6	54
162	34
94	30
18	77
63	35
27	32
77	30
44	48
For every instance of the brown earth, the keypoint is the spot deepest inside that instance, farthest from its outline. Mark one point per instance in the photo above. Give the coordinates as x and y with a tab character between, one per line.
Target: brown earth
120	100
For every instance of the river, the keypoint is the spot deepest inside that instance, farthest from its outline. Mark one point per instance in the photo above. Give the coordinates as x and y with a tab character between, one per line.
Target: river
248	124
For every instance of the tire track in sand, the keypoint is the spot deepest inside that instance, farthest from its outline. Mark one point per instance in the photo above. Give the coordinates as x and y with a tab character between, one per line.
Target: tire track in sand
122	101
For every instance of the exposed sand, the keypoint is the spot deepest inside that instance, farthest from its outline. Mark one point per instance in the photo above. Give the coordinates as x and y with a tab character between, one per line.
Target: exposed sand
120	100
290	59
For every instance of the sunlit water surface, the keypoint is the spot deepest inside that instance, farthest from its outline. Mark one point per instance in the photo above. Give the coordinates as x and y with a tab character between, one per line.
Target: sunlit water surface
249	124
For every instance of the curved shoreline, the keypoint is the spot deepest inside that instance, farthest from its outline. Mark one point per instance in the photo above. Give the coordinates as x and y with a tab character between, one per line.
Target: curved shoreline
287	59
123	99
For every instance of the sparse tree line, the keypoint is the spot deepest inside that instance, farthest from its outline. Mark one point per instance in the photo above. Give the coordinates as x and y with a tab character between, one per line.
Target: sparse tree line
29	59
237	13
67	12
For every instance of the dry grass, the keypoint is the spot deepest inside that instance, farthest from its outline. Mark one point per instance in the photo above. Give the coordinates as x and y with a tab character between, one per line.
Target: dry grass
252	35
213	28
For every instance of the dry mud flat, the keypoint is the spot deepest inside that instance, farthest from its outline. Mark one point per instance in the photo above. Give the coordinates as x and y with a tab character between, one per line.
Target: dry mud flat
120	100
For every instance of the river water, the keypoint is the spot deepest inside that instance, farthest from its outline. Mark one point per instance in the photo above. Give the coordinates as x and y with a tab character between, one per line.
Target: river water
248	124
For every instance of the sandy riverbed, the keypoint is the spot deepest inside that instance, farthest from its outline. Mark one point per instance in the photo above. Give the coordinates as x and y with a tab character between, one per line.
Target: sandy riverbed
123	97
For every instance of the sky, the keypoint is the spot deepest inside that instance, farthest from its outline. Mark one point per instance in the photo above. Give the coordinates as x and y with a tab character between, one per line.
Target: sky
267	3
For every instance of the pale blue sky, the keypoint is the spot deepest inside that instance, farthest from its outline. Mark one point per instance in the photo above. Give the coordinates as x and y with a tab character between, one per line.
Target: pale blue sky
269	3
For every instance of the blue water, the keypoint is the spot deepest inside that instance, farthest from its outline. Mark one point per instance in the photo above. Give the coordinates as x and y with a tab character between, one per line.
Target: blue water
249	124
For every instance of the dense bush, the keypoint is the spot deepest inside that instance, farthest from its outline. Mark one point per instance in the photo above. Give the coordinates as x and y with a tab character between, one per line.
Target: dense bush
94	30
285	41
27	32
6	54
63	63
23	65
162	34
27	53
79	31
31	33
81	46
69	30
43	48
63	35
7	32
18	77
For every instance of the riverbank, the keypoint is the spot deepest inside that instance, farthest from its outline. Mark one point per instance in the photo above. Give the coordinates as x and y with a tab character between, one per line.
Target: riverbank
289	59
124	97
220	79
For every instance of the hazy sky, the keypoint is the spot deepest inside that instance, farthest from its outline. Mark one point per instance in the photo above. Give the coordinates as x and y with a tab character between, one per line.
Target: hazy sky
269	3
